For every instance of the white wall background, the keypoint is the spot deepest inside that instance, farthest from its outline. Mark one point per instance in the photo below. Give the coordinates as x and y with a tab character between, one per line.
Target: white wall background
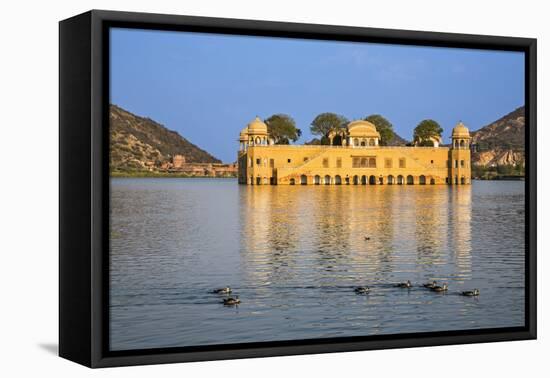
29	185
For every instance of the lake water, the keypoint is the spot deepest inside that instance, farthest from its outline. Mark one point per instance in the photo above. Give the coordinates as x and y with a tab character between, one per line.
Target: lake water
293	254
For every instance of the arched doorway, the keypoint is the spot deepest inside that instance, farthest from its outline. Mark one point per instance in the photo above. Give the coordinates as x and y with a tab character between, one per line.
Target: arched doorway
327	180
363	180
410	180
317	180
372	180
355	180
422	180
303	179
292	181
390	180
432	181
337	180
399	180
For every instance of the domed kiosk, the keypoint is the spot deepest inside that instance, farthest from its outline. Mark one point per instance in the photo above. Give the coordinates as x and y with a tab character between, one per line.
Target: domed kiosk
461	136
254	134
363	133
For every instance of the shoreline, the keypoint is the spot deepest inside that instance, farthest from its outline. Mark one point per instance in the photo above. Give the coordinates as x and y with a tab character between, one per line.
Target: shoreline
160	175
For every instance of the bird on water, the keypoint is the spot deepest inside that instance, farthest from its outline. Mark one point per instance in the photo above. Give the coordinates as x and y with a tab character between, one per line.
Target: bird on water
470	293
440	289
362	290
404	285
223	290
231	301
430	285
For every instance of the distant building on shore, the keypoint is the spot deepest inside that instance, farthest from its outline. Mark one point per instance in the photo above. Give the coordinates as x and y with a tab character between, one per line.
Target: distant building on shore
354	157
178	164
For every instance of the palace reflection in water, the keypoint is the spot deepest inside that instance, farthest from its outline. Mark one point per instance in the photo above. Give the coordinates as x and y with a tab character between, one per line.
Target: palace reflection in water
294	253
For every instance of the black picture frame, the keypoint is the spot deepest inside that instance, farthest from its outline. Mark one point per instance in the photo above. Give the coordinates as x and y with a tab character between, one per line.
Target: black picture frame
84	187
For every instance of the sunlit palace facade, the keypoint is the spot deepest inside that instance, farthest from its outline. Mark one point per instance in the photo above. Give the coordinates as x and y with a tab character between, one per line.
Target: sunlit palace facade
354	157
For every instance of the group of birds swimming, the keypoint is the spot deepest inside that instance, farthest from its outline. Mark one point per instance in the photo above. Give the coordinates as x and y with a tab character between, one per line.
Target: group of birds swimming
229	301
433	286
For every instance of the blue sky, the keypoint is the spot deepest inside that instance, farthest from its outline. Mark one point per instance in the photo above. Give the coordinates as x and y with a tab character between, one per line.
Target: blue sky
208	87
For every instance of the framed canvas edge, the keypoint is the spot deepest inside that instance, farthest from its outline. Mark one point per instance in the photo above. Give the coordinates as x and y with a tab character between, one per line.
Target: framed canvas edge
99	247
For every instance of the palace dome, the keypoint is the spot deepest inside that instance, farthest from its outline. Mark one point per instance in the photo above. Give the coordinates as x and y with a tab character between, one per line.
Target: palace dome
243	135
361	128
257	126
460	131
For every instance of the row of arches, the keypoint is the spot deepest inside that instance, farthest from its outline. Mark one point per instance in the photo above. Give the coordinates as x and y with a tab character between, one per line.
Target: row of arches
358	180
364	180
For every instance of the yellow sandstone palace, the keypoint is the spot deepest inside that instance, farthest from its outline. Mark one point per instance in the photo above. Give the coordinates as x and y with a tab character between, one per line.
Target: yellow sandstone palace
353	157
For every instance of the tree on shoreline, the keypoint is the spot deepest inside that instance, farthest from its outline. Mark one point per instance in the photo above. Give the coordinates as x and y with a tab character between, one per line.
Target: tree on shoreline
282	129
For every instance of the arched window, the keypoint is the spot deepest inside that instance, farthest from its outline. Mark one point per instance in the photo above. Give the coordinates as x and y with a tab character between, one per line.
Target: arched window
371	142
258	140
462	144
356	142
363	143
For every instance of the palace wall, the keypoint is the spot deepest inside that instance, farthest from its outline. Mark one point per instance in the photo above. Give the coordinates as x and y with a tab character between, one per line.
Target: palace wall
297	164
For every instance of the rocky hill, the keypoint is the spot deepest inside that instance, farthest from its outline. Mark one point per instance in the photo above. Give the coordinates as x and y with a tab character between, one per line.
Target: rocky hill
397	141
501	142
139	143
